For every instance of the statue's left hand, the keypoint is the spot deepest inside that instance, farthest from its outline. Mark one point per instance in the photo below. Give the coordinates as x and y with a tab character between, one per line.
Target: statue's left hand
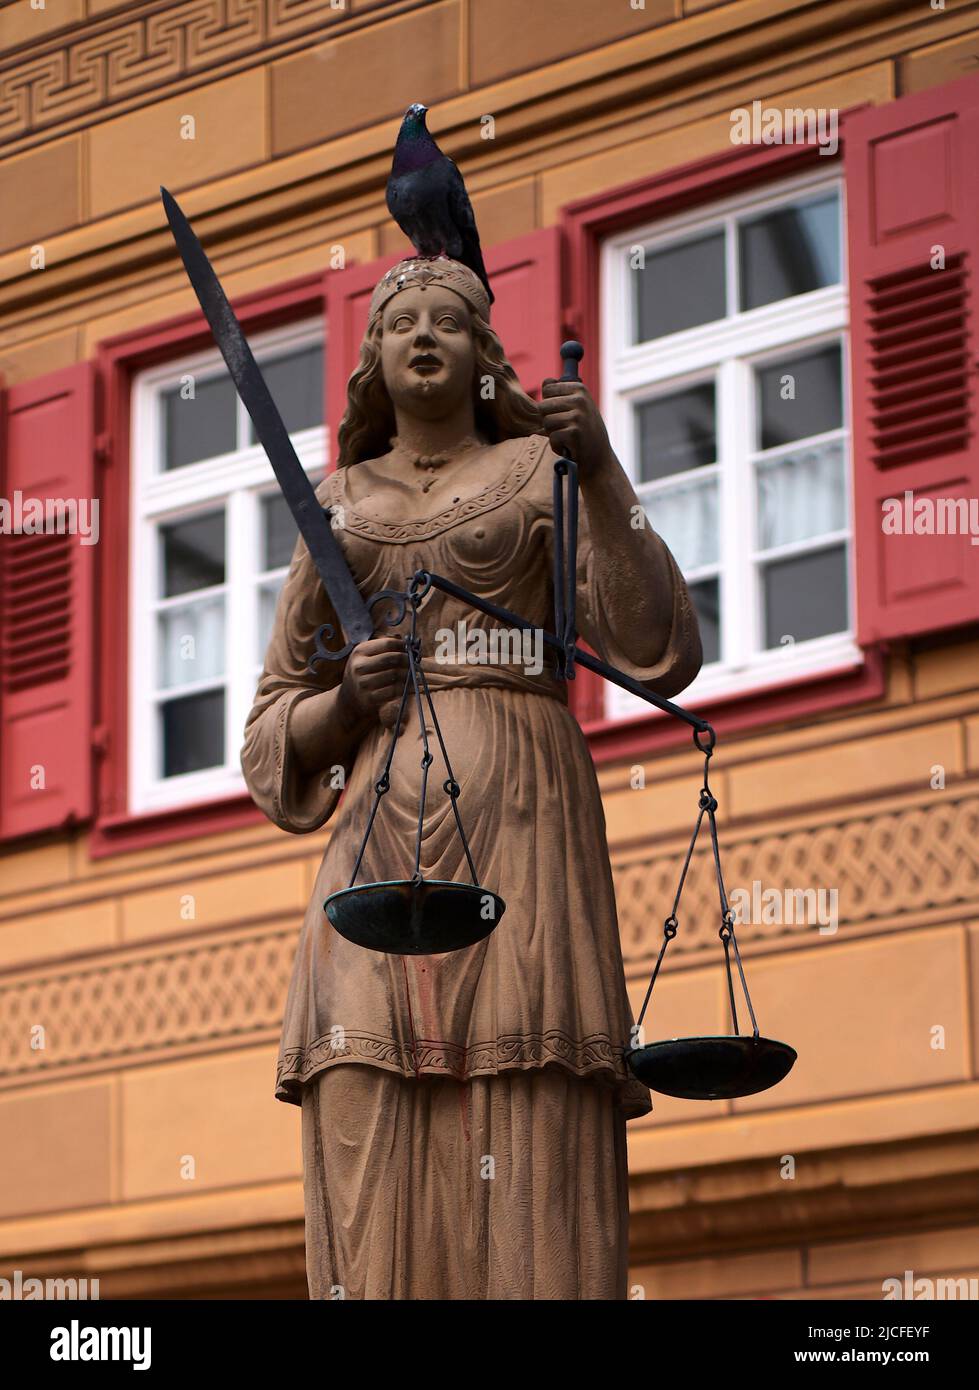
573	423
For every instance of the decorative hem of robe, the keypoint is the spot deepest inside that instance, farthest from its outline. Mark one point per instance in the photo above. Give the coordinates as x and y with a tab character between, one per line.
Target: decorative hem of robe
593	1059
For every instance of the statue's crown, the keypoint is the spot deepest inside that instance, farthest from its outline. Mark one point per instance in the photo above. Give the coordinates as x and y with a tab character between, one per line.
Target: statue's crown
431	270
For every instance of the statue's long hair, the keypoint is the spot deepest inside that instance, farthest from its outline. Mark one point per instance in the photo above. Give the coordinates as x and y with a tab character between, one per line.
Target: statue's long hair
368	425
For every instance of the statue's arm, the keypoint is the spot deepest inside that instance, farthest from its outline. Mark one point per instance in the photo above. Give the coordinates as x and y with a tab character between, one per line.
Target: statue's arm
326	732
635	597
634	607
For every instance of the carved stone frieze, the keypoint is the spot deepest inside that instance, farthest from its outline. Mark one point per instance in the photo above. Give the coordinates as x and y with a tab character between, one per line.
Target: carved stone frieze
112	1009
105	66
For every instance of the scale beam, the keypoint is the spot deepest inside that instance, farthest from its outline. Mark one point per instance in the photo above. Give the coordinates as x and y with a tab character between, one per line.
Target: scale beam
585	659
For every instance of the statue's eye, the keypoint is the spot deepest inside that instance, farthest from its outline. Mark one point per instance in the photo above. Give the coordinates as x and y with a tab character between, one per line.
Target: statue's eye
448	321
401	323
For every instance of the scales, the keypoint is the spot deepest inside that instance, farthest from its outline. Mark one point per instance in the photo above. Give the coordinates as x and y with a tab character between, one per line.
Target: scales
419	916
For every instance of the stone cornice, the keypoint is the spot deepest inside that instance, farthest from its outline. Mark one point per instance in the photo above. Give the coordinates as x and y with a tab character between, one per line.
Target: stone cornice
913	1183
890	1190
250	1261
603	89
98	68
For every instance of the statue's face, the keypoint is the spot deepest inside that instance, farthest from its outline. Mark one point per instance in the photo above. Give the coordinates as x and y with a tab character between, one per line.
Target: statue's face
427	350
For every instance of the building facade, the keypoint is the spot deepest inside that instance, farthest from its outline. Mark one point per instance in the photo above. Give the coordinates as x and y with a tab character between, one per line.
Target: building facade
761	219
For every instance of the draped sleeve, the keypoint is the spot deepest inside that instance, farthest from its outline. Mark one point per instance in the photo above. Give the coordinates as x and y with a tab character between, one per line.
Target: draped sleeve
633	607
294	798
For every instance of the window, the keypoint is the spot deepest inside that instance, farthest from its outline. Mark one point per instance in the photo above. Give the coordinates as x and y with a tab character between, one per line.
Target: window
724	369
212	539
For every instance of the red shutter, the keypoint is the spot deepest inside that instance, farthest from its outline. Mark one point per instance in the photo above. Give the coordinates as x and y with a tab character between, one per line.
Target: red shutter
348	297
525	275
46	609
911	187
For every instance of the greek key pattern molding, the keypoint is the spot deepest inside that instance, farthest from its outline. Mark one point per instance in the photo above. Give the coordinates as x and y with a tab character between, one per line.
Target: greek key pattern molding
131	56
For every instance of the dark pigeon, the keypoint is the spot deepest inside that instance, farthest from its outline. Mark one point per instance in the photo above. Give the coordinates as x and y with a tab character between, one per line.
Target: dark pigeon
427	198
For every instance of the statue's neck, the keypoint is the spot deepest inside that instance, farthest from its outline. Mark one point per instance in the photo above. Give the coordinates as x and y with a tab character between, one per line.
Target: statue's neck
435	436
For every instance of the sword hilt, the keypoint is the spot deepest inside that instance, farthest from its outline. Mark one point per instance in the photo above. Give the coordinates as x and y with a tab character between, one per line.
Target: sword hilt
566	541
326	631
571	354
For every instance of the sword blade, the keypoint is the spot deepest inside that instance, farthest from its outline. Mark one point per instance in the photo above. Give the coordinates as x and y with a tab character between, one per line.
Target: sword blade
324	548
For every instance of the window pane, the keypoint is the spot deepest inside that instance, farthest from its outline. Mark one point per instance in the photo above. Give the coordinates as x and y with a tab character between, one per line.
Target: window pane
279	532
268	596
677	432
707	601
789	251
800	397
686	517
193	554
200	428
801	495
193	733
680	287
296	383
805	596
191	642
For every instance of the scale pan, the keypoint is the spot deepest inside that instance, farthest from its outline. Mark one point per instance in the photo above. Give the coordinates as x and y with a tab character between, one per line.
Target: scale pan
404	918
712	1068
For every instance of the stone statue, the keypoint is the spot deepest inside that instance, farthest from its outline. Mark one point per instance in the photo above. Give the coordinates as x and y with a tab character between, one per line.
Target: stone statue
463	1115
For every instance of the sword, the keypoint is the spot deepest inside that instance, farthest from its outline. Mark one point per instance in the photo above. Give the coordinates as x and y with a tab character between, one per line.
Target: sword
312	520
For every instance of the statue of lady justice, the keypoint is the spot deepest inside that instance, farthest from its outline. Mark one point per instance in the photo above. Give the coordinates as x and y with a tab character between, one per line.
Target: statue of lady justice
463	1115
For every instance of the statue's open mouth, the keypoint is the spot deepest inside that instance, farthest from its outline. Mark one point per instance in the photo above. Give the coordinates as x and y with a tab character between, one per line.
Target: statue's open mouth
426	360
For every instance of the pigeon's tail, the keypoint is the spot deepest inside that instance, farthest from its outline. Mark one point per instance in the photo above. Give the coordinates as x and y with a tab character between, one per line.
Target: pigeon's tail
472	256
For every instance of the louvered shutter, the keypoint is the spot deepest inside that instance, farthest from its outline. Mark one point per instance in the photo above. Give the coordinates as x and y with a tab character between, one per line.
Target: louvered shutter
46	609
913	201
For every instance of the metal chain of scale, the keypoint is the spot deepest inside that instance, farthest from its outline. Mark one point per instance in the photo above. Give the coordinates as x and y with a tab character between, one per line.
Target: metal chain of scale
417	681
709	1068
417	915
692	1068
708	807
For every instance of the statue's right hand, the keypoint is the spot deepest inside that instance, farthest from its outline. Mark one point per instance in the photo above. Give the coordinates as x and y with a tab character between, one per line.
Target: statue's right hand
374	678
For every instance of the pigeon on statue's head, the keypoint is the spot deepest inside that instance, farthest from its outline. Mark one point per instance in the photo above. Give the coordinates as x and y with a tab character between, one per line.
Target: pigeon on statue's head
427	198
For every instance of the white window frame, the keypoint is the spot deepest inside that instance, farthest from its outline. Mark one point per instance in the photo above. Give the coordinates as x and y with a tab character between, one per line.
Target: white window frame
727	351
236	481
